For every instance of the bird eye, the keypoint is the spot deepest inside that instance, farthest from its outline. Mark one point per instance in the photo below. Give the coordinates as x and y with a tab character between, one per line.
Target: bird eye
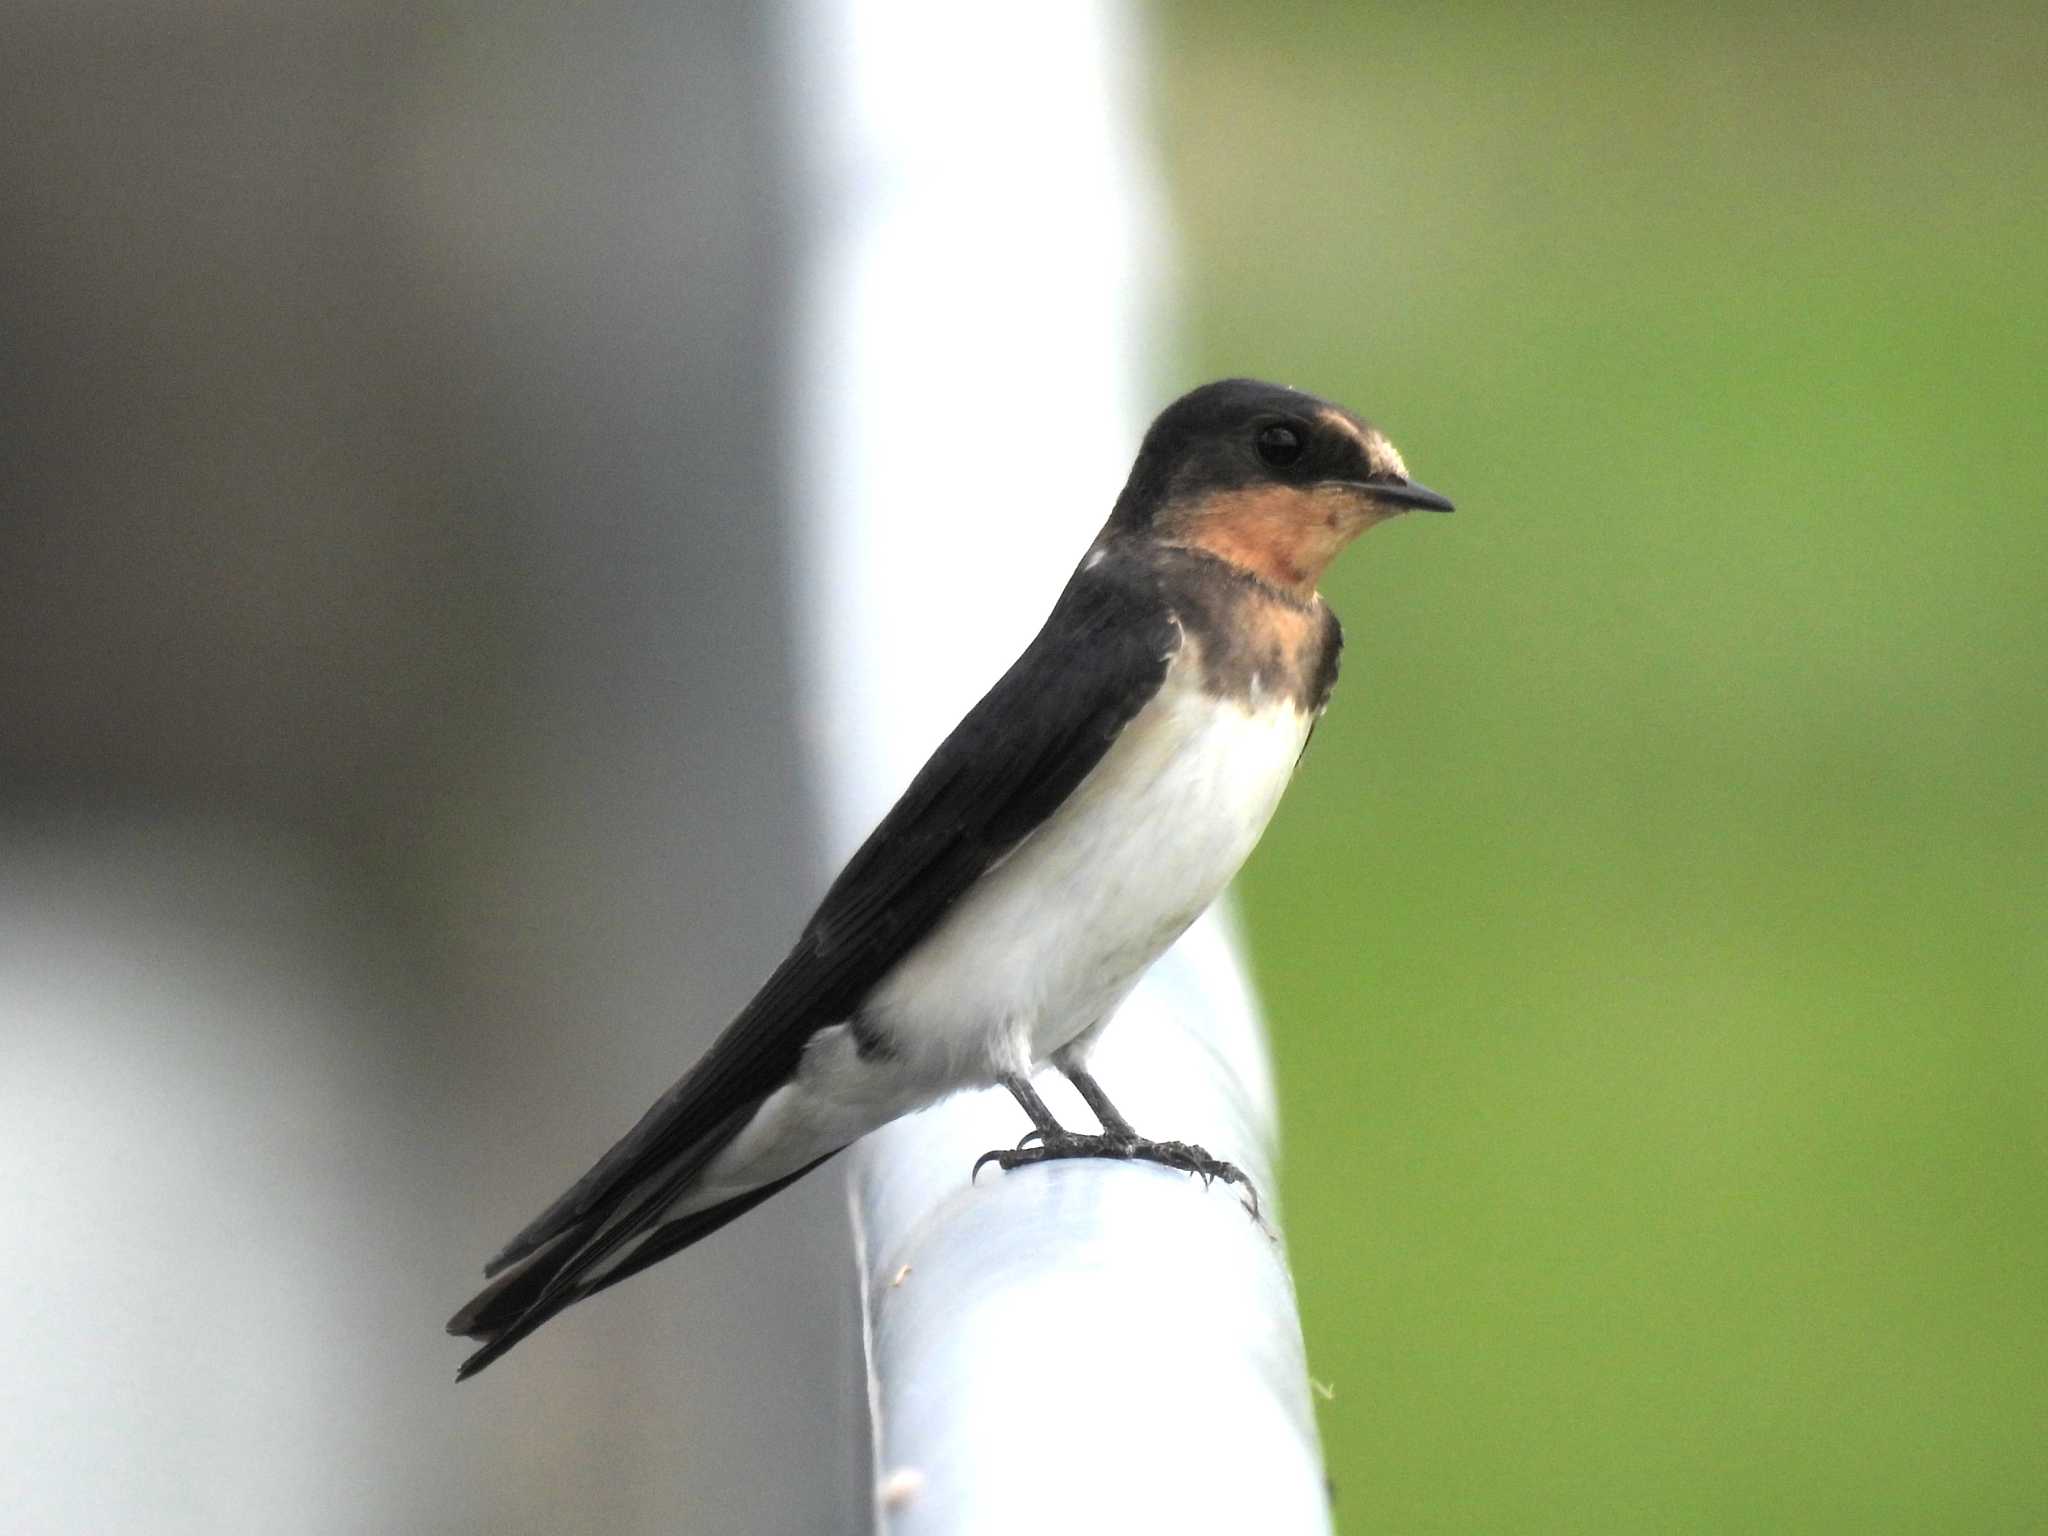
1279	446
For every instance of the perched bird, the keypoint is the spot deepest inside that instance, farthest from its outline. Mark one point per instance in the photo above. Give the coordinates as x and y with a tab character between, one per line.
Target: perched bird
1080	817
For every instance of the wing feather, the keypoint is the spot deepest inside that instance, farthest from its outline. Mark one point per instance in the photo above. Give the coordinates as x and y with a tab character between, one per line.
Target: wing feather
1008	765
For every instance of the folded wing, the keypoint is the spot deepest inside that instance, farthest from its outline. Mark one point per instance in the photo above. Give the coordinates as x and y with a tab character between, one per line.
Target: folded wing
1007	766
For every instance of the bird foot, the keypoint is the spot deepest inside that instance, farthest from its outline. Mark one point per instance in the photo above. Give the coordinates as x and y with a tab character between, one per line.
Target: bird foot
1056	1146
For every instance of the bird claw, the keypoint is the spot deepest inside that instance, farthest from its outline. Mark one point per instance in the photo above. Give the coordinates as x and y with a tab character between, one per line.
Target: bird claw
1007	1158
1180	1155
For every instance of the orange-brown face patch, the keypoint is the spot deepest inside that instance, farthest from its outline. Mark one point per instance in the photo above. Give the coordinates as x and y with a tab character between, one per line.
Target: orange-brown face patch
1284	535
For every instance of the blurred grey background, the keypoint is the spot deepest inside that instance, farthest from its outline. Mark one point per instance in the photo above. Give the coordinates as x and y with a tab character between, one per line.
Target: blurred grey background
391	654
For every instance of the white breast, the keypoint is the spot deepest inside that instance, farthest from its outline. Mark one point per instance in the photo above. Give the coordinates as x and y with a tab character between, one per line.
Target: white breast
1048	942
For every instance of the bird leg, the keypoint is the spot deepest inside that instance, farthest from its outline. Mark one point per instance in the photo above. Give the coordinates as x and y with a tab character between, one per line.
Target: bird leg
1107	1114
1118	1140
1042	1122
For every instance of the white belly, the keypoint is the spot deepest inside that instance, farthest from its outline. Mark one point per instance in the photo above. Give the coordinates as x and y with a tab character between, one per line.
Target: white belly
1047	943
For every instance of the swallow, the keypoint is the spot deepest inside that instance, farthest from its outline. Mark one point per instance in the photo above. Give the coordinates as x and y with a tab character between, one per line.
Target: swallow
1076	822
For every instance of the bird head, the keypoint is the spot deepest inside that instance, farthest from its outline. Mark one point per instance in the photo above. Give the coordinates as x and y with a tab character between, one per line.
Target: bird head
1273	480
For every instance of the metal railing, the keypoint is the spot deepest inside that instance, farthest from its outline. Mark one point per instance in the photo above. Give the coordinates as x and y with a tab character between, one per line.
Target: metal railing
1072	1346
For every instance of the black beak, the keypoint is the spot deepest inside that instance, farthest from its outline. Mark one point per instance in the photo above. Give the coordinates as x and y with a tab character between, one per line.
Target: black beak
1407	493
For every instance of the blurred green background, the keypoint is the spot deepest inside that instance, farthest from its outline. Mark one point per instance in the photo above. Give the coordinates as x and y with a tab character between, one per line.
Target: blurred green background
1655	940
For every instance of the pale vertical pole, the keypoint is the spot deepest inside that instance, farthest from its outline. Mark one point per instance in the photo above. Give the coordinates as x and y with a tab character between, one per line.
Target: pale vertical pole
1080	1346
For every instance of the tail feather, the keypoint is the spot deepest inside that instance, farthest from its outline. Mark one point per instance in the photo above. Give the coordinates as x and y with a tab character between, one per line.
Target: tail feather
499	1342
500	1304
674	1236
544	1283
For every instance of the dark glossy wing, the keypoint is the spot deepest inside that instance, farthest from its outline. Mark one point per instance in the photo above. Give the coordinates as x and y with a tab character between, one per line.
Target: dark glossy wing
1015	757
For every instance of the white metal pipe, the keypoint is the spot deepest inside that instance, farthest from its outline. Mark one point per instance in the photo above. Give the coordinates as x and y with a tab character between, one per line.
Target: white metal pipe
1082	1345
